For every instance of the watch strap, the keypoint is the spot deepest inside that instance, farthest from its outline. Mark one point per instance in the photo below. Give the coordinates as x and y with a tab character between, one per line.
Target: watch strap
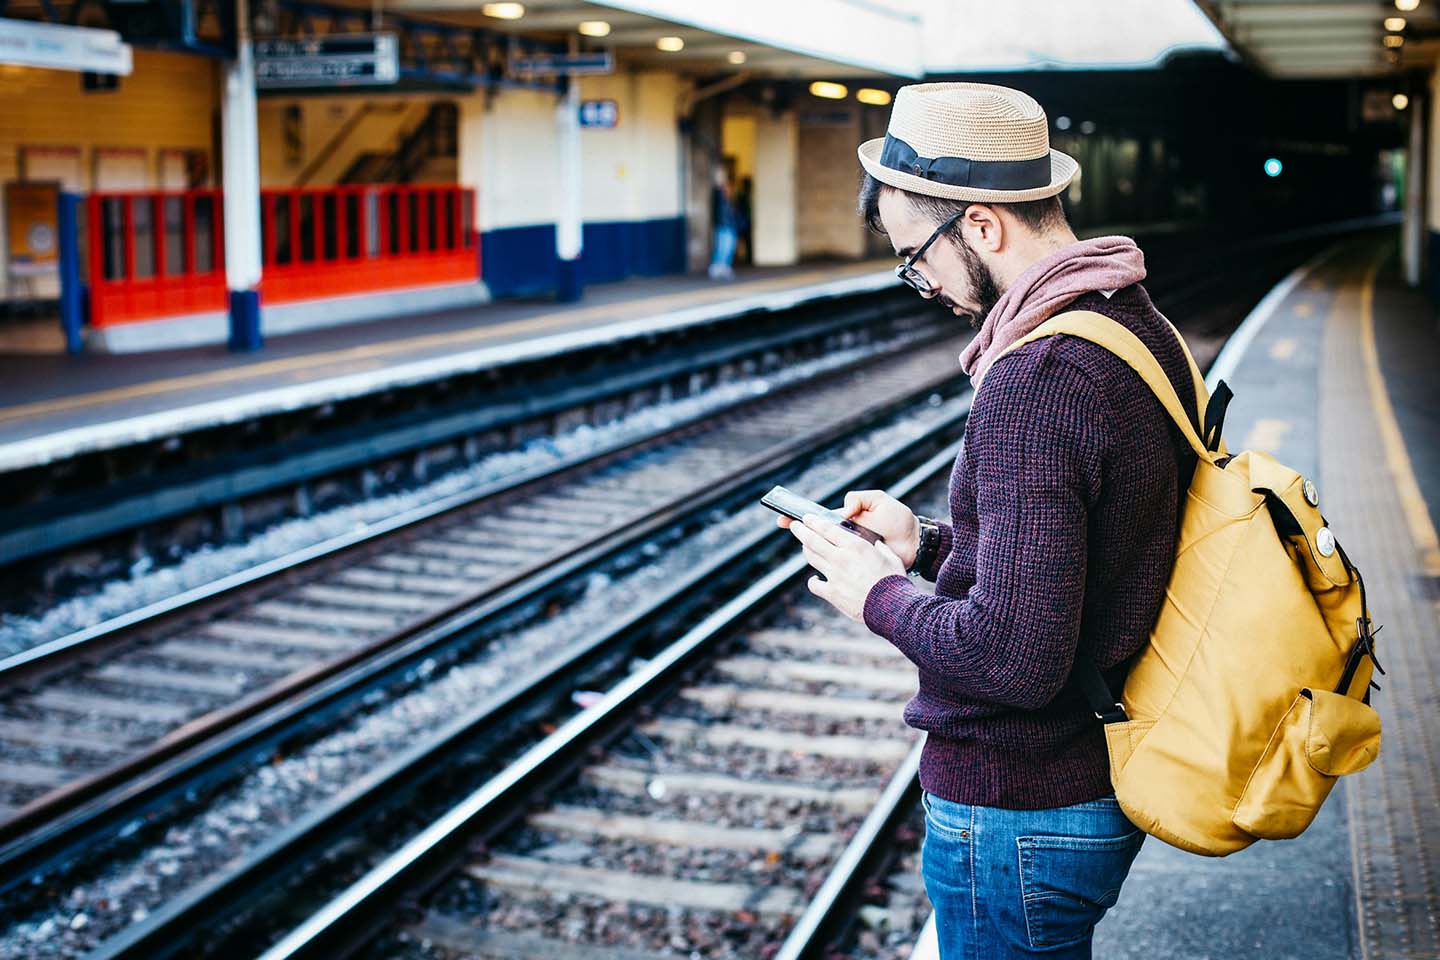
928	548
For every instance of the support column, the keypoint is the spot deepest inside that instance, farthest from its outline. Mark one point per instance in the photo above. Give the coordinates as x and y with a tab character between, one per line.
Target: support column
1412	244
774	203
568	234
241	145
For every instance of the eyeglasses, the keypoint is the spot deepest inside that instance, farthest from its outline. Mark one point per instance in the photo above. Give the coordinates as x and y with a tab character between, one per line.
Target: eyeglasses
906	271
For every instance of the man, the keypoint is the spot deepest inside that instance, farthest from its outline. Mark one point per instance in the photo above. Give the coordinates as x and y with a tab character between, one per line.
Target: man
1063	521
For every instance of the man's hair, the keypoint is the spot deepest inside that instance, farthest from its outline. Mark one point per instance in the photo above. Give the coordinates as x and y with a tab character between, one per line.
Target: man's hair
1038	215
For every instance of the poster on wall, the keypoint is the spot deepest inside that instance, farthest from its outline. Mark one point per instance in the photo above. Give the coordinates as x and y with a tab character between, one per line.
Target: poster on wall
32	235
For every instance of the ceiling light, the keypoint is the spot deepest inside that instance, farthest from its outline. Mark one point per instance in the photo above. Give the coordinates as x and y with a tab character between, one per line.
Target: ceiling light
736	57
594	28
670	44
1393	40
1394	24
1400	101
828	90
1406	5
504	11
876	98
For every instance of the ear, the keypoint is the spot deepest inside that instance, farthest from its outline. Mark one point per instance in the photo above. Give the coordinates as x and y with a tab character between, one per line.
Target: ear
982	222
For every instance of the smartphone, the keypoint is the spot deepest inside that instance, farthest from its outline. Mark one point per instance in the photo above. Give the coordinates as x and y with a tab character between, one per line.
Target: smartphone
796	507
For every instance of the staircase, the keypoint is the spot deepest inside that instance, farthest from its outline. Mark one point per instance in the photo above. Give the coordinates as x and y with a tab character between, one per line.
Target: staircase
428	153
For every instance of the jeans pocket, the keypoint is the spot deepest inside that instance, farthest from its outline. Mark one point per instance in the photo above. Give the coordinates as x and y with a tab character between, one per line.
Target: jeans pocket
946	817
1068	883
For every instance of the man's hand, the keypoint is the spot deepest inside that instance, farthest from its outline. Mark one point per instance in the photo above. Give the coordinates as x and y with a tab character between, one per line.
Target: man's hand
878	511
850	564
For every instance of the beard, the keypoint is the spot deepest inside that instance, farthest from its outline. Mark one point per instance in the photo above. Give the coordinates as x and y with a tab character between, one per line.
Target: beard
983	287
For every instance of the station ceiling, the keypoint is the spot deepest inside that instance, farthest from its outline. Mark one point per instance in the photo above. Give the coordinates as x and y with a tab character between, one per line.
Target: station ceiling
1329	38
635	35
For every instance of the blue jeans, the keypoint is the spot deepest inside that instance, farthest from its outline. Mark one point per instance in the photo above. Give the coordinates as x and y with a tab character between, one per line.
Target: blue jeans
724	254
1023	883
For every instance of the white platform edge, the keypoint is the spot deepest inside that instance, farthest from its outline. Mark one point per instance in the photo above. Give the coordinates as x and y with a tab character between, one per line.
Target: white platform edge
36	451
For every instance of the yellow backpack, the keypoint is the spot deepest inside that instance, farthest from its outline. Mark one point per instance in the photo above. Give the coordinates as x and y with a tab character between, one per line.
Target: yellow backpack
1252	697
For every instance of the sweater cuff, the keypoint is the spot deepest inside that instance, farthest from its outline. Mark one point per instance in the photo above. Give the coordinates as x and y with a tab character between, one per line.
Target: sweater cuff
887	602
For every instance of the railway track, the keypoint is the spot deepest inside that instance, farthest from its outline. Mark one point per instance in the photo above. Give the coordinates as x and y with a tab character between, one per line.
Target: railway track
720	471
87	712
753	771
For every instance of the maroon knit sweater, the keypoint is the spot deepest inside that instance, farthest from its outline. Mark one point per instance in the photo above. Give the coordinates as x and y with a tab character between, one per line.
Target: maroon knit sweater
1064	507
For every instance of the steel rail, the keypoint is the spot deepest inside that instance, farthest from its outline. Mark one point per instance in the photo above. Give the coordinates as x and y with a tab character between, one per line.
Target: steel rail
21	666
210	760
101	785
352	917
170	929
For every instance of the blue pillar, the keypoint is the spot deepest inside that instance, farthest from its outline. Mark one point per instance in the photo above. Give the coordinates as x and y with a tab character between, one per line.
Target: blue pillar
72	289
568	287
245	320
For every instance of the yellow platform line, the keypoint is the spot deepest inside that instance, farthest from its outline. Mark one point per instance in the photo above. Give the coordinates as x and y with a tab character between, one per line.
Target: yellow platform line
452	339
1397	457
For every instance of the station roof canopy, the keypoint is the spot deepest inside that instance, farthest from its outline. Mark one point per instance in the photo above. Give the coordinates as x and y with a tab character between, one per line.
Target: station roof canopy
898	38
1329	38
794	38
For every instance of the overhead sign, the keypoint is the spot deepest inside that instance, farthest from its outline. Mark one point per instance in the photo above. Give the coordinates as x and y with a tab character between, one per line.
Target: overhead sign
336	60
599	113
552	64
60	47
32	232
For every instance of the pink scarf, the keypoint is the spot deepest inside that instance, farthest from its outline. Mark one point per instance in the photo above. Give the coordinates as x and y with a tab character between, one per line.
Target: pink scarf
1048	286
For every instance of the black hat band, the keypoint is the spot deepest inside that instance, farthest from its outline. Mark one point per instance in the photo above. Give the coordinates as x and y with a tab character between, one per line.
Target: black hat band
960	172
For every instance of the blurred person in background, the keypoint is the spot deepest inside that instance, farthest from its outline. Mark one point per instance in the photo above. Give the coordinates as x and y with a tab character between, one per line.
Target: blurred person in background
722	219
1063	517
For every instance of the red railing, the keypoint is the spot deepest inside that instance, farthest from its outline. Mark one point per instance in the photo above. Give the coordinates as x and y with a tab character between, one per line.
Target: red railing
339	240
159	254
155	254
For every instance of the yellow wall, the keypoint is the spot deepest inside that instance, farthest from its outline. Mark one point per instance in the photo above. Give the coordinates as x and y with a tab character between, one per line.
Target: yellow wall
509	150
381	128
827	224
169	101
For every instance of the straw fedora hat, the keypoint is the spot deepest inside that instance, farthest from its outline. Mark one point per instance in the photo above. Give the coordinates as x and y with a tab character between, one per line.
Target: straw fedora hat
968	141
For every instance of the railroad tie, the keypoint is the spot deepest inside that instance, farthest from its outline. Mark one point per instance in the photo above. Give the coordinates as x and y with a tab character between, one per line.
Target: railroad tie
526	875
779	741
636	783
759	669
720	698
581	821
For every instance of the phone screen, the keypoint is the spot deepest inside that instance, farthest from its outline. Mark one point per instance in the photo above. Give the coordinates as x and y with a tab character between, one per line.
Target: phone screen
795	507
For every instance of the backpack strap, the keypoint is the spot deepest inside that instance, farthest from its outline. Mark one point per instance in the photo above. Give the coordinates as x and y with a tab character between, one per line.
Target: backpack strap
1115	337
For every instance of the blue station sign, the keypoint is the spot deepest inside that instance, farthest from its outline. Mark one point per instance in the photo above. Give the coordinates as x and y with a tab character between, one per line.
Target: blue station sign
599	113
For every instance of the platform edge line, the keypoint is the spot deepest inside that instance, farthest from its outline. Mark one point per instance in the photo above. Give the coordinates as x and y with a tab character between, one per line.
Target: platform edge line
1397	455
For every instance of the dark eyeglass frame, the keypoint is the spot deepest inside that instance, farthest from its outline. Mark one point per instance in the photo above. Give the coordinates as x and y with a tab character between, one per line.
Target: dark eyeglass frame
906	271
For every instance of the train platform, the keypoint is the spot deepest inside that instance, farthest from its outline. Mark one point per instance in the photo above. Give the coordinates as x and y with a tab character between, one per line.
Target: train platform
1334	373
54	407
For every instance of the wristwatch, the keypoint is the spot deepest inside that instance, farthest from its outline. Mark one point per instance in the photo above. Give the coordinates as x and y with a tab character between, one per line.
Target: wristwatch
929	546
